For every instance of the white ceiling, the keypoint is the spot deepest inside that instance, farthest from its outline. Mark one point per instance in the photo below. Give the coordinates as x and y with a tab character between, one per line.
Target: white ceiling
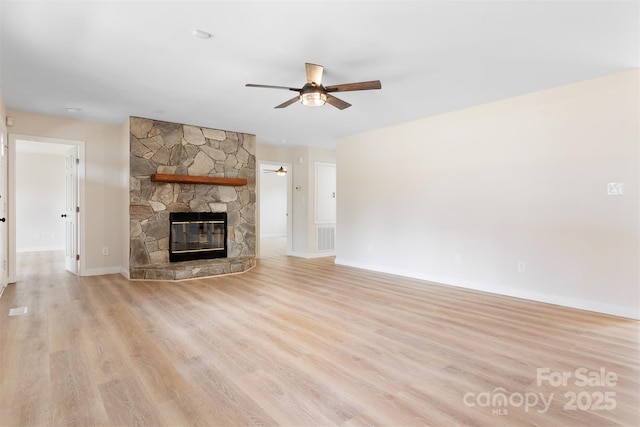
115	59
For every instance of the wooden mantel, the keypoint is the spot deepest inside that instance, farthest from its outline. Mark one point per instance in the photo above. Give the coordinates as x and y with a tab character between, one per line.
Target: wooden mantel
188	179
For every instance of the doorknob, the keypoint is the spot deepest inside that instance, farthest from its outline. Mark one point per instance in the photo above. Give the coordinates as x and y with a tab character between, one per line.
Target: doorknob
3	219
63	216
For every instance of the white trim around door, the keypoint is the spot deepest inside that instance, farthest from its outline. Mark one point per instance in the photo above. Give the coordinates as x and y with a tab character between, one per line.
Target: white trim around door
14	140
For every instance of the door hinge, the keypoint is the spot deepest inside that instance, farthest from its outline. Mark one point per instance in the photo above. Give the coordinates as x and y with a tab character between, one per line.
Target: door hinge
77	257
77	161
77	209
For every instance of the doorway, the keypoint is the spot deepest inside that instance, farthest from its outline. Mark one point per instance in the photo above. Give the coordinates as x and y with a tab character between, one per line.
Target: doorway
45	188
275	222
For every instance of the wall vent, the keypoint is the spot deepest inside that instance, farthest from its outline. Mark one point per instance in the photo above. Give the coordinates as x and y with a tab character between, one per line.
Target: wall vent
326	237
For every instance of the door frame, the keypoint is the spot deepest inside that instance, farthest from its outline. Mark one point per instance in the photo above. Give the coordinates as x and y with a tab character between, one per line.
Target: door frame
4	203
289	178
11	197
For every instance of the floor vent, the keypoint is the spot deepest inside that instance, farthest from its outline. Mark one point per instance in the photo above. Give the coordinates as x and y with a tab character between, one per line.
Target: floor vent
326	238
18	311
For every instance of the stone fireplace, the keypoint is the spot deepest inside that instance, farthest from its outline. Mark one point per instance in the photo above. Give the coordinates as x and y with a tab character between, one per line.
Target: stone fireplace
204	171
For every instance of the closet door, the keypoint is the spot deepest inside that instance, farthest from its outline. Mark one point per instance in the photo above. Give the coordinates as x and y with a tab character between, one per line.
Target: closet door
70	214
325	193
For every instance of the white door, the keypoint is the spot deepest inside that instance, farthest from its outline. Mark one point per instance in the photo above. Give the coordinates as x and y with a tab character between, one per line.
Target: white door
325	193
70	214
4	147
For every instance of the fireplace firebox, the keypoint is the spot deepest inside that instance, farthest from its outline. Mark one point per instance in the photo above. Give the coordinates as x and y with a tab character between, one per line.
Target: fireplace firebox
197	235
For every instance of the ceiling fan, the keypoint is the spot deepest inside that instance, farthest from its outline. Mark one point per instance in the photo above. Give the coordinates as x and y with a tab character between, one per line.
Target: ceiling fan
314	94
280	171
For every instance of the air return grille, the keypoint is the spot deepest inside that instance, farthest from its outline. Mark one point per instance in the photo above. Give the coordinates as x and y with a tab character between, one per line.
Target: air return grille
326	238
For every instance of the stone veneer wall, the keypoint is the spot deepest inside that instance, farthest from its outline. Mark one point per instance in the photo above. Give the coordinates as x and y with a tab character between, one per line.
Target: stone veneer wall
171	148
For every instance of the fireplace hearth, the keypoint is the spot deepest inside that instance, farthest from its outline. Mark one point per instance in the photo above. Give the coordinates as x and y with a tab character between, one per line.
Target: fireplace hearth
197	235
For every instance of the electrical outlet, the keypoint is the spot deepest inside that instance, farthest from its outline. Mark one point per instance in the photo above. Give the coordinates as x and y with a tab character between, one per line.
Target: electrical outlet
522	266
105	251
615	188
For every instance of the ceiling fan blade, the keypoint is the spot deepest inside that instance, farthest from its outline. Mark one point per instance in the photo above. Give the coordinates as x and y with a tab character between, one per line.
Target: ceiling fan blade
287	103
280	171
373	84
314	73
273	87
337	102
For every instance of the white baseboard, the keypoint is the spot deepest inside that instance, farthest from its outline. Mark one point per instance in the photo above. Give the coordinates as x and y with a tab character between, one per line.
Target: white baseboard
571	302
125	273
101	271
310	255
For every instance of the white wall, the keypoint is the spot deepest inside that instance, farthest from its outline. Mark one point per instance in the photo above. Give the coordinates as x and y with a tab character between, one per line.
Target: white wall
3	109
463	198
104	170
40	200
124	197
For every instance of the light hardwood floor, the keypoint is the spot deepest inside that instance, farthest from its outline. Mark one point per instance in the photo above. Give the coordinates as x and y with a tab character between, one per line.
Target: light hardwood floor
297	342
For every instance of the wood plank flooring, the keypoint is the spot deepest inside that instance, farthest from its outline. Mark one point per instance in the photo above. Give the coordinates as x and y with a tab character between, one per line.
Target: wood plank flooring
297	342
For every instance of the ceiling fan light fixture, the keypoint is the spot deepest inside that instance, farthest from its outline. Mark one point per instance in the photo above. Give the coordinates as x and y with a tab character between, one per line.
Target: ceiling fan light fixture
314	94
313	99
281	171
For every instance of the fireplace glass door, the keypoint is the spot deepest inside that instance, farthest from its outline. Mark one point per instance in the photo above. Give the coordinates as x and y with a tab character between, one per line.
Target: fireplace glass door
197	236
